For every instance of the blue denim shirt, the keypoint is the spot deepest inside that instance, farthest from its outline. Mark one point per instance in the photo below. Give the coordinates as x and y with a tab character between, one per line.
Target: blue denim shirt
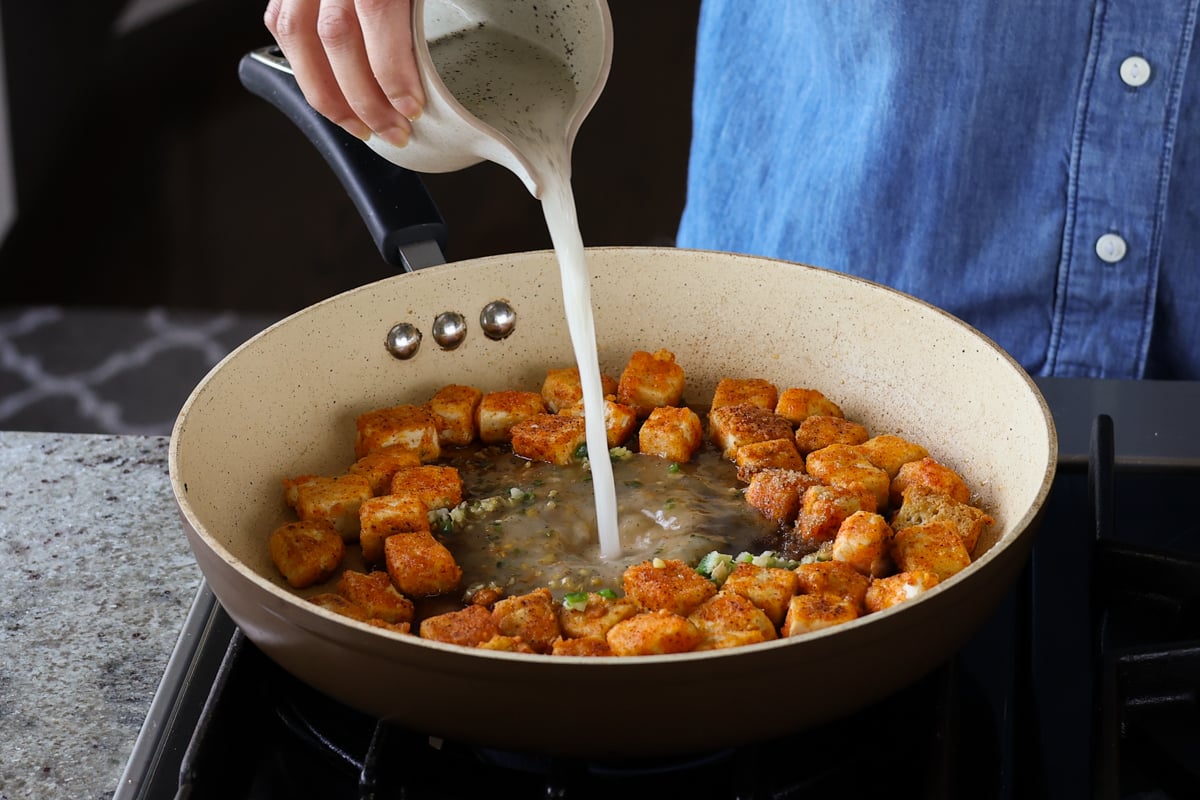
1031	167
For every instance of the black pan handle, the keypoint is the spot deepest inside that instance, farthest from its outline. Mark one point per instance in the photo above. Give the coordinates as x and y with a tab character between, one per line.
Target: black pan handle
403	221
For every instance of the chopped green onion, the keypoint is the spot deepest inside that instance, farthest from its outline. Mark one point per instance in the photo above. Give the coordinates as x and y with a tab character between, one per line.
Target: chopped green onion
673	468
580	452
607	593
575	601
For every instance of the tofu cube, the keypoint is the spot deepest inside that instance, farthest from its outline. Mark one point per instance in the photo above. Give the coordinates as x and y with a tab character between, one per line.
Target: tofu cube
653	633
649	381
895	589
553	438
435	485
379	467
731	613
833	578
769	588
731	427
931	547
419	565
334	500
795	405
594	620
864	542
822	511
745	392
814	612
777	494
889	452
306	552
374	593
454	410
819	431
531	617
331	601
407	426
584	646
620	420
772	454
666	584
499	411
673	433
922	504
563	388
470	627
845	465
507	644
388	515
929	473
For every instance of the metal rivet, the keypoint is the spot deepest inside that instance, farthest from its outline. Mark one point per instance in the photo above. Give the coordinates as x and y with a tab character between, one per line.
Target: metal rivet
497	319
449	329
403	340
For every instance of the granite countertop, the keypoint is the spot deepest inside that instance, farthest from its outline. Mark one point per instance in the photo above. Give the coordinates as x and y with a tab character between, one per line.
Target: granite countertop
96	579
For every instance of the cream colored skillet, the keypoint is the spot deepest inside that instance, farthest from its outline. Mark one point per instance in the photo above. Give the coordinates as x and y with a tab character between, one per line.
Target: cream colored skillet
284	403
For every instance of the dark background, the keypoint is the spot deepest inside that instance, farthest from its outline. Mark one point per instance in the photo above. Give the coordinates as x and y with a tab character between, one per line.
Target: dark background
148	176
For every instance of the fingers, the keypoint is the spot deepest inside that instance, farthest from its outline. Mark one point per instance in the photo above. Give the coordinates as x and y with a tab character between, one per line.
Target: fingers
387	33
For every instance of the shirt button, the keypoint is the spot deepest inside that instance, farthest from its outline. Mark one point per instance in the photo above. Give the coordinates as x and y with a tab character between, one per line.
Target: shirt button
1135	71
1111	248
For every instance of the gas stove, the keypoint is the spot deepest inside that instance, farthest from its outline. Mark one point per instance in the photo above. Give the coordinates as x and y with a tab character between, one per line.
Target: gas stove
1084	682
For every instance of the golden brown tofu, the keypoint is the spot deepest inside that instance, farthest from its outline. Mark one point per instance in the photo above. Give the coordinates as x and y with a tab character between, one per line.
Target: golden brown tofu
922	504
306	552
929	473
797	404
454	410
532	617
822	511
469	627
420	565
777	493
508	644
553	438
653	633
931	547
730	612
651	380
833	578
845	466
587	646
667	584
562	388
769	588
435	485
620	421
498	412
671	433
725	639
338	605
894	589
889	452
395	627
731	427
864	541
594	620
820	430
407	426
772	454
374	593
747	392
379	467
813	612
333	500
387	515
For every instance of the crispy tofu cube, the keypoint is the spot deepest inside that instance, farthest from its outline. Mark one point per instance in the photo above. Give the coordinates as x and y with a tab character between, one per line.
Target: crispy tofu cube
814	612
671	433
374	593
769	588
594	620
731	613
499	411
889	452
620	421
731	427
649	381
563	388
846	466
929	473
407	426
795	405
306	552
834	578
395	627
454	410
387	515
820	430
334	500
894	589
508	644
864	541
777	494
419	565
923	504
725	639
586	646
553	438
670	584
379	467
469	627
822	511
930	547
532	617
330	601
653	633
745	392
772	454
435	485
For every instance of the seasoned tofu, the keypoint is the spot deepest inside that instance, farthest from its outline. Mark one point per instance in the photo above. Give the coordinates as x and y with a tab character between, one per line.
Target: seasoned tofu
769	588
563	388
651	380
731	613
387	515
653	633
820	430
379	467
745	391
889	452
331	601
671	433
864	541
499	411
587	646
454	409
594	620
833	578
894	589
470	627
795	405
930	547
306	552
531	617
773	454
814	612
507	644
333	500
553	438
731	427
435	485
846	466
931	474
408	426
620	420
420	565
822	511
374	593
777	494
922	504
665	584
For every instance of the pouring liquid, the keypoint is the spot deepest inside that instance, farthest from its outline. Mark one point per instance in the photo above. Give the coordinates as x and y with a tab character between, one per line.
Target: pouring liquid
526	93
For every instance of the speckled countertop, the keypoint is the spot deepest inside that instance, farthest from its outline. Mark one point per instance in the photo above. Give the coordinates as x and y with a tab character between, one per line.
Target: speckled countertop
96	579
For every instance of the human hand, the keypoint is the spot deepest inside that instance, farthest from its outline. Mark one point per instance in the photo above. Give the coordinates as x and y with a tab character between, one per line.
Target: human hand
354	62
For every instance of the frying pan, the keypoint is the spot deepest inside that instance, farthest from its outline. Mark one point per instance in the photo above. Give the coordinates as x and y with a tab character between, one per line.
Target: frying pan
285	402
